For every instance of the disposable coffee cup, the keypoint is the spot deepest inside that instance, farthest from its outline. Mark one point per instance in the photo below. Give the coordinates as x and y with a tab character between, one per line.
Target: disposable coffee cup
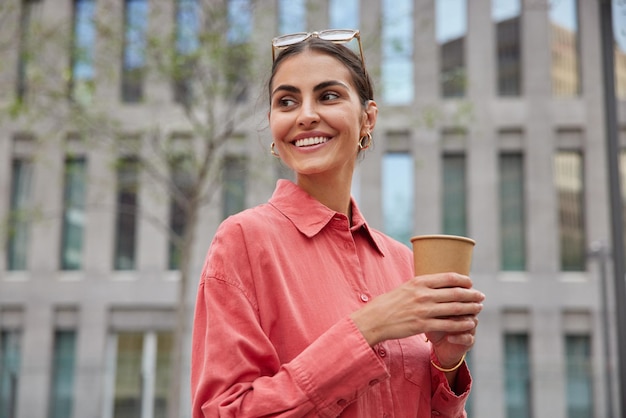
442	253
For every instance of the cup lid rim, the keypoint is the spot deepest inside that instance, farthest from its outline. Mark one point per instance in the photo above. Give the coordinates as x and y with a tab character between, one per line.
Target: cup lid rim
444	236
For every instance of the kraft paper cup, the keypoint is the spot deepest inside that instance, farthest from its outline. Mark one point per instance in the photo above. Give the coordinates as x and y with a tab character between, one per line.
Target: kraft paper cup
442	253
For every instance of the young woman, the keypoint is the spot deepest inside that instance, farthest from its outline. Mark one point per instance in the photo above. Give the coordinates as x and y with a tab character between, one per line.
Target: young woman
303	310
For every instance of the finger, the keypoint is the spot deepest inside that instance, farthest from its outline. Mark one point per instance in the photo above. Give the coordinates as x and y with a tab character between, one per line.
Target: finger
445	280
465	339
457	294
452	325
453	310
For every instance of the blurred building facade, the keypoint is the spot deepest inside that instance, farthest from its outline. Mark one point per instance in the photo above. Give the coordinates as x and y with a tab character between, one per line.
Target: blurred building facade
491	126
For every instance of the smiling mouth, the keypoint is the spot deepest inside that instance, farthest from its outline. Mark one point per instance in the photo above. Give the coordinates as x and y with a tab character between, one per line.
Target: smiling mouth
307	142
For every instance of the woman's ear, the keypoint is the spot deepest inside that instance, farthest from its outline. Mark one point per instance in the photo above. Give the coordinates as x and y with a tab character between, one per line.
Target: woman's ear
369	117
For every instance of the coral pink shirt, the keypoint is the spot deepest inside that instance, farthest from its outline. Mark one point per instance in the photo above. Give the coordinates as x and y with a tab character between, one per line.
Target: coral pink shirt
272	334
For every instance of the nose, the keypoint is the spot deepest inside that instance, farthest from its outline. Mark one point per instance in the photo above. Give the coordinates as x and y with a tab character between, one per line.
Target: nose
308	115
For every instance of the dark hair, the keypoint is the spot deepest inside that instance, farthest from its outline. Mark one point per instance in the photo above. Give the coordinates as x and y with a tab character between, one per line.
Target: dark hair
345	55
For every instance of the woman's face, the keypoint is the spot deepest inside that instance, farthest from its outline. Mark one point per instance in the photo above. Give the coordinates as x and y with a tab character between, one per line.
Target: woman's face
316	117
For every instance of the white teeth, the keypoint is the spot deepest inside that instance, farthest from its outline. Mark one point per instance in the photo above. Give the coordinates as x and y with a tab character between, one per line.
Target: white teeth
310	141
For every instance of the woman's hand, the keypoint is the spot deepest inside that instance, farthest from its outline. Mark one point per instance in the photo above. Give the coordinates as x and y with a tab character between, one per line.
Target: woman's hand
443	306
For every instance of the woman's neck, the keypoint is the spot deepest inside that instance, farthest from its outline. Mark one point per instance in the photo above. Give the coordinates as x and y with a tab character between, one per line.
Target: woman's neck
333	193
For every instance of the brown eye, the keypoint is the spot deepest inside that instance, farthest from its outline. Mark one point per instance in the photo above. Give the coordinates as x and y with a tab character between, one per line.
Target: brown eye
330	95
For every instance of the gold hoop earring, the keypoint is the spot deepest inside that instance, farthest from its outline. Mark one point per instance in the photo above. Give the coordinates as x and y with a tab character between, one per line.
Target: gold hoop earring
365	144
274	153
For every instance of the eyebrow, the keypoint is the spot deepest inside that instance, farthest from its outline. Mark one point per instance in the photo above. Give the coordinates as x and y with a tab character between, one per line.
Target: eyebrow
320	86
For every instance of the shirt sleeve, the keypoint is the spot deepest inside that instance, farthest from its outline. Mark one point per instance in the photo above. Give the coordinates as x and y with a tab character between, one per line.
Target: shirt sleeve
445	402
237	372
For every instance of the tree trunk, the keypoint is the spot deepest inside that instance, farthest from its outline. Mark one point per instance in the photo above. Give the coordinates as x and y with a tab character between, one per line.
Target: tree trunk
182	328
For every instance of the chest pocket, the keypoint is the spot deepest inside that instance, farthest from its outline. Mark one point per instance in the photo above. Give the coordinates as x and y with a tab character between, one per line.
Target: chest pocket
416	360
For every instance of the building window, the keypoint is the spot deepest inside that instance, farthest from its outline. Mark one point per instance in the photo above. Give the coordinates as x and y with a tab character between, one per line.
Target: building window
128	376
517	376
187	26
187	43
19	217
27	39
619	23
142	370
565	48
182	182
240	21
579	376
127	207
451	29
398	195
240	25
397	51
234	185
10	358
569	185
506	15
344	14
291	16
622	170
512	238
83	46
62	387
73	213
134	57
454	202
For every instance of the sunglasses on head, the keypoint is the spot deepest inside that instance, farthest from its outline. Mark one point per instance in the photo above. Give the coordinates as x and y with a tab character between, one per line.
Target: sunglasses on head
338	36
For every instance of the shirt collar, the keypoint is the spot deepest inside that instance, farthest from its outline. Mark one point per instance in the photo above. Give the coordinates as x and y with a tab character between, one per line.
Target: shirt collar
310	216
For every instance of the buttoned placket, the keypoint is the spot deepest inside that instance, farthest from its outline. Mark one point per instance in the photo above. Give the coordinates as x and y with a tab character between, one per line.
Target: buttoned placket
341	225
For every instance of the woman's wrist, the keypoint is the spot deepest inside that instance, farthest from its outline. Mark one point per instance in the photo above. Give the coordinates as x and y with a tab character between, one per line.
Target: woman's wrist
448	369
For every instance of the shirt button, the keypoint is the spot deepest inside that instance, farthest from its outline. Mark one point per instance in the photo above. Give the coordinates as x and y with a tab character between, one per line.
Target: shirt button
342	402
364	297
373	382
436	413
382	352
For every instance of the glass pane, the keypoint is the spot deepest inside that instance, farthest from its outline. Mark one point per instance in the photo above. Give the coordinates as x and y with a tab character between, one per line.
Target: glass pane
579	376
291	16
165	343
517	376
451	29
126	224
83	50
135	42
565	48
397	49
73	213
622	170
19	221
187	43
62	388
10	346
234	186
128	378
240	22
506	15
512	240
454	195
569	185
183	182
344	14
27	37
619	30
187	26
398	195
